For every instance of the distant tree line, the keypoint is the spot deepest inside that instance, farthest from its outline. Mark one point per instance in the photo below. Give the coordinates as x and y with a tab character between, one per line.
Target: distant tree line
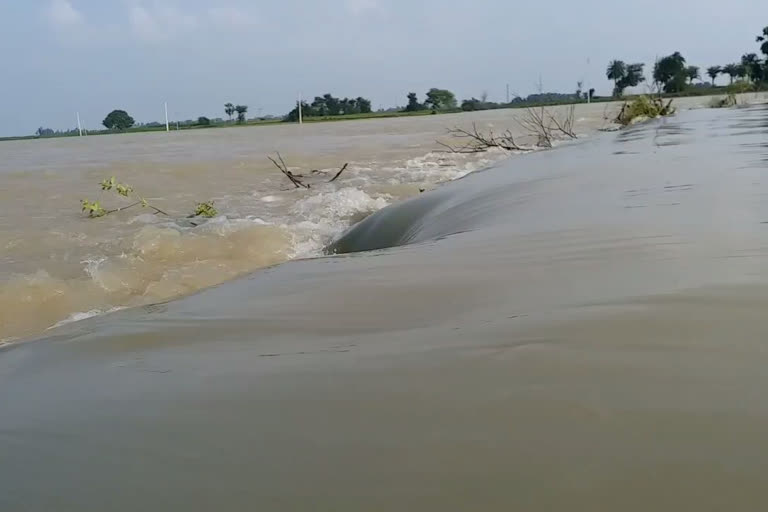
672	74
329	105
49	132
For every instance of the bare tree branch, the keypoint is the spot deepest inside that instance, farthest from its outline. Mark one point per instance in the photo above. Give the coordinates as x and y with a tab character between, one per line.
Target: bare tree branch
339	173
480	142
284	169
548	127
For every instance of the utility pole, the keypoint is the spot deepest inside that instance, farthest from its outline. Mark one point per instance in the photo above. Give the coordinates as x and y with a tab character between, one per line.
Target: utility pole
79	126
507	93
301	119
167	126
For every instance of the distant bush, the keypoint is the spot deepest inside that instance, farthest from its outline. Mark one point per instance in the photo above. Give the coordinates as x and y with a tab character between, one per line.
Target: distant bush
203	121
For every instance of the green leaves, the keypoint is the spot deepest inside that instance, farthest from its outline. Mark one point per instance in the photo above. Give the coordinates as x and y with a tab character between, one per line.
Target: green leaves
94	209
206	210
120	188
108	184
118	120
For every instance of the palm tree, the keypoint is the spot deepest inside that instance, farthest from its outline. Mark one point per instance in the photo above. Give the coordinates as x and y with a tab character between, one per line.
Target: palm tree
741	71
229	109
713	71
692	72
751	64
731	70
616	71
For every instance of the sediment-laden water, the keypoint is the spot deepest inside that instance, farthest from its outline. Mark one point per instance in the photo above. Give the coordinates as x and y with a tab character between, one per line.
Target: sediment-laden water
575	329
57	266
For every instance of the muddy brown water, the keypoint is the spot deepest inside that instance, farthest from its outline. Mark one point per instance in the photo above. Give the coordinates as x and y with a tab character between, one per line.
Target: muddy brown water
57	266
577	329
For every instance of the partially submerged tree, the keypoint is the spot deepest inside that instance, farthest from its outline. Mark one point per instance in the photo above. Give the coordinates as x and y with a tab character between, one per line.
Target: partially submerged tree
644	108
713	71
671	72
440	99
541	123
118	120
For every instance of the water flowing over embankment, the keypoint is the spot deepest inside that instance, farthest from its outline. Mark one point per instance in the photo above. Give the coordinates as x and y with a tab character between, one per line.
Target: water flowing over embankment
575	327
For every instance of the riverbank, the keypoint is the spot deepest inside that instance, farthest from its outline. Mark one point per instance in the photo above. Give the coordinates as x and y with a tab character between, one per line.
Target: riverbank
573	327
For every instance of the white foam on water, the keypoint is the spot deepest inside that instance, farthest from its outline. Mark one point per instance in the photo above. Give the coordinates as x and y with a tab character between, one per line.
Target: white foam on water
161	258
436	167
325	215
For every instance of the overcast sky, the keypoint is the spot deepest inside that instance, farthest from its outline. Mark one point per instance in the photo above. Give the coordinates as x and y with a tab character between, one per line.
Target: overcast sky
60	56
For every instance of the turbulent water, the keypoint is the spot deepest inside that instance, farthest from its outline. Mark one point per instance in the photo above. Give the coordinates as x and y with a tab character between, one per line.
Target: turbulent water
57	266
577	329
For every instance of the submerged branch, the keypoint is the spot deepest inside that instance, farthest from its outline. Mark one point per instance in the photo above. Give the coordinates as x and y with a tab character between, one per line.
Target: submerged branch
343	168
480	142
284	169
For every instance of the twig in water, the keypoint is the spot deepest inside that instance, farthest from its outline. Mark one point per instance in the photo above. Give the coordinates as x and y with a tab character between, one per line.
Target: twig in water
548	127
339	173
94	208
480	142
284	169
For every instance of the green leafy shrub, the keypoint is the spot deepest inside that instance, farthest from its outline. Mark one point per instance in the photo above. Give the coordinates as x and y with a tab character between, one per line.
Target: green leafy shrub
205	209
643	108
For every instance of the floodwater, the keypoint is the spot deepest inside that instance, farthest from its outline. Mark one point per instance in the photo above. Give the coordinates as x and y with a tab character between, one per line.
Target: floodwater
58	266
577	329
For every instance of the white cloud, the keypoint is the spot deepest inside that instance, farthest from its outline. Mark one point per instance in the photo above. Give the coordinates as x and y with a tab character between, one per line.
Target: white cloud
361	6
231	18
159	23
61	13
